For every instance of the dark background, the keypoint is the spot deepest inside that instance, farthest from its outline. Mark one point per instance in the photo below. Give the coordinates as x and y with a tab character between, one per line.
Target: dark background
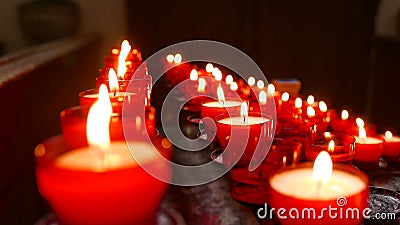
328	45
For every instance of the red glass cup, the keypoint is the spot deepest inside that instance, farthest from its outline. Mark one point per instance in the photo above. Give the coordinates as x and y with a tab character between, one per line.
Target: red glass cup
241	139
122	195
343	151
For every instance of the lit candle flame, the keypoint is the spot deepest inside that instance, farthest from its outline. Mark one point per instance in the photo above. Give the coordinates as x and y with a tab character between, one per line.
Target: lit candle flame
177	58
113	81
345	115
323	167
327	135
285	97
310	111
228	79
217	74
262	97
271	89
310	100
209	67
362	133
260	84
322	106
170	58
388	135
115	51
331	146
221	96
360	122
251	81
194	75
98	121
125	49
244	111
202	85
298	103
234	86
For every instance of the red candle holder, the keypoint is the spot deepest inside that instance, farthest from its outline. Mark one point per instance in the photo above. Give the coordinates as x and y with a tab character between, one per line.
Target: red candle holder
240	139
123	195
292	190
252	186
368	151
343	151
391	148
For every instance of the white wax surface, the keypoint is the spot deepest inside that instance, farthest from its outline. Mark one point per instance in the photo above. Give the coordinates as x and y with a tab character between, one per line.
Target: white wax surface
368	140
299	183
117	156
217	104
238	120
111	94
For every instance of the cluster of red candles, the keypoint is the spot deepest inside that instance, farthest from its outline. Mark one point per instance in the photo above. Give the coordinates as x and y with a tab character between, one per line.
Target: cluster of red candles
90	174
305	131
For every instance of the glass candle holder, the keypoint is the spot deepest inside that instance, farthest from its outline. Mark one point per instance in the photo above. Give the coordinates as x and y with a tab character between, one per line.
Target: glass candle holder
252	186
342	152
242	137
294	189
122	192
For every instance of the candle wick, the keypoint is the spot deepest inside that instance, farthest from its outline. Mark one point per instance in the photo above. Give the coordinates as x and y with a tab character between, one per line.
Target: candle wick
115	93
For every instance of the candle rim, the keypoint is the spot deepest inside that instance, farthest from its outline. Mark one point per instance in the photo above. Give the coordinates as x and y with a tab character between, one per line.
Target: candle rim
248	120
234	103
336	166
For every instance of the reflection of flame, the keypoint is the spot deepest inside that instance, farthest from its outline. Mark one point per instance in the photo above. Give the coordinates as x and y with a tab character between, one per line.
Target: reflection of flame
360	122
251	81
98	121
194	75
262	97
285	97
229	79
113	81
202	85
221	96
388	134
345	115
271	89
327	135
209	67
322	106
322	170
260	84
298	103
125	49
310	100
331	146
310	111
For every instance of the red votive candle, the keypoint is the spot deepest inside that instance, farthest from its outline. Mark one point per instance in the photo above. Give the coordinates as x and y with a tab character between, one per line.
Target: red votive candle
340	146
84	188
391	147
368	149
319	189
240	136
